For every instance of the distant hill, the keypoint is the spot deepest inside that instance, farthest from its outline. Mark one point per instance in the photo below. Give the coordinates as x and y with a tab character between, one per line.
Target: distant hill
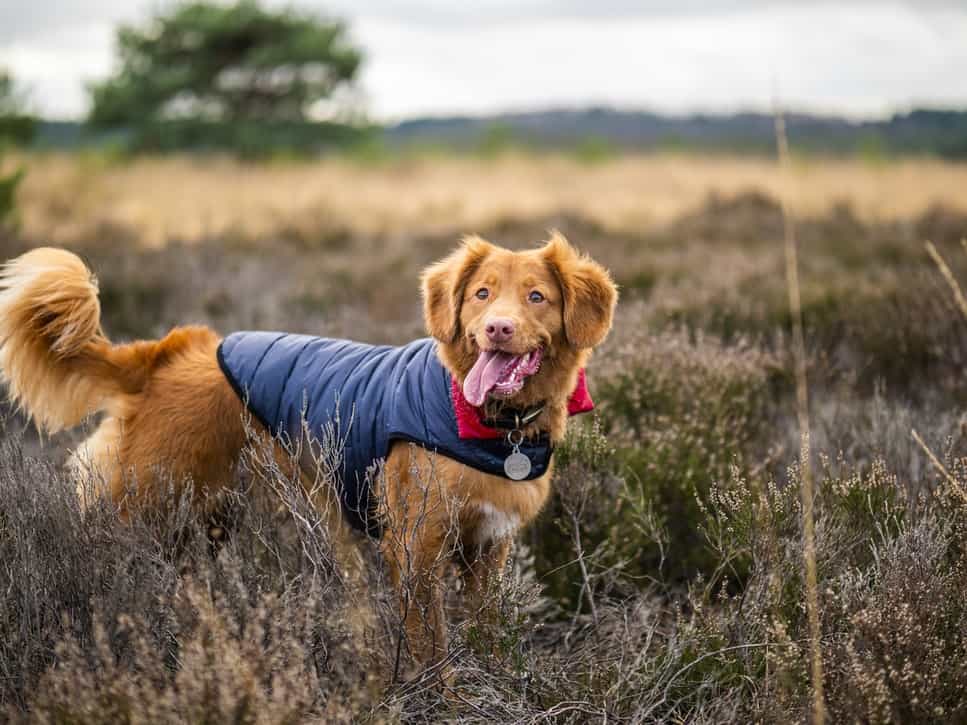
934	132
939	132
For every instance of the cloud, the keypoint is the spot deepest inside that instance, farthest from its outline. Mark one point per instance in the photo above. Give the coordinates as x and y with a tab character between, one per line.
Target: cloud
446	13
849	59
37	19
438	56
40	17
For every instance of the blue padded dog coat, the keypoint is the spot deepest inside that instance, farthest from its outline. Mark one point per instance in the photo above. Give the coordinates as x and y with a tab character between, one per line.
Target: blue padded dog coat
371	395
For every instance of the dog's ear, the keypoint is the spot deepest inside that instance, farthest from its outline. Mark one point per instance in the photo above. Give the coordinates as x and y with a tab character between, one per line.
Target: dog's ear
444	285
589	293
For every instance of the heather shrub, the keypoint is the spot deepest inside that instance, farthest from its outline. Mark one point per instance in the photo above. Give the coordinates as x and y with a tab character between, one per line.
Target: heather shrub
902	637
577	538
680	411
663	582
891	593
730	646
149	621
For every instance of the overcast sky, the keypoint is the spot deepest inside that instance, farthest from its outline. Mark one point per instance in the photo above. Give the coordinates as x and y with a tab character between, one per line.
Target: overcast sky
862	58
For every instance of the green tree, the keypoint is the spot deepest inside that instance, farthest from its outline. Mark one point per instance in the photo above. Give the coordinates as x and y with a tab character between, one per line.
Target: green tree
221	72
16	127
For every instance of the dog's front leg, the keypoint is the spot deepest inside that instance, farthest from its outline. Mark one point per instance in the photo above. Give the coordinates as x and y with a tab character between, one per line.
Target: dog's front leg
416	567
481	572
418	540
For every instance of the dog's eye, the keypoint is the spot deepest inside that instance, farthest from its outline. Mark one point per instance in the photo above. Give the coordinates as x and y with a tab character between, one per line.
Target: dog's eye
535	297
482	293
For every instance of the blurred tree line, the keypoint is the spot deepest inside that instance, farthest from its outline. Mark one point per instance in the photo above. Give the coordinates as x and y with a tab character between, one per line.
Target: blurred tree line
238	77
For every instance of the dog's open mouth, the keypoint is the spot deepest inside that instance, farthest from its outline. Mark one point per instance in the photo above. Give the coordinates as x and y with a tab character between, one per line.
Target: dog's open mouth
499	373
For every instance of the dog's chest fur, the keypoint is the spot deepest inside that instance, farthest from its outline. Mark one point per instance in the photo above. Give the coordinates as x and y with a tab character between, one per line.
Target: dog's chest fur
488	508
495	508
493	524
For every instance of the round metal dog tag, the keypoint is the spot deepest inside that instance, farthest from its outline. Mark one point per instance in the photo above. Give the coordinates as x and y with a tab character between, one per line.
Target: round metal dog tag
517	466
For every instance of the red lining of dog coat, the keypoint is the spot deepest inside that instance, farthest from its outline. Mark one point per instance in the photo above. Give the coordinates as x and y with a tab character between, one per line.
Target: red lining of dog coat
470	419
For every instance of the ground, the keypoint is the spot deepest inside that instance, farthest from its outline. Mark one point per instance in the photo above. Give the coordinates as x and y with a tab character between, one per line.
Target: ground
665	579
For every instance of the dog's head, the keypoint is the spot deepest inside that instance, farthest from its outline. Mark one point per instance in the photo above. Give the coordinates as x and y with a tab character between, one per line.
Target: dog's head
515	327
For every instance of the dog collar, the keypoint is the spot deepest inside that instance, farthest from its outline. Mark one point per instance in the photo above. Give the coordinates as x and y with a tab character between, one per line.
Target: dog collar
472	425
514	418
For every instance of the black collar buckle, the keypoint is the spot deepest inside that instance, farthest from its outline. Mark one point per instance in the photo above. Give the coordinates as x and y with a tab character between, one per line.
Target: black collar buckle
514	419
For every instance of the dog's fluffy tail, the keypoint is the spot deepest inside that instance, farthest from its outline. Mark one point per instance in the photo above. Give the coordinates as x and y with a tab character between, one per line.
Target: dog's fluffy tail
54	358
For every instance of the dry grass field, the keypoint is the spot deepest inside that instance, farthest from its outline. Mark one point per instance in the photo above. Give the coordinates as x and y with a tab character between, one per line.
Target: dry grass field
68	200
665	580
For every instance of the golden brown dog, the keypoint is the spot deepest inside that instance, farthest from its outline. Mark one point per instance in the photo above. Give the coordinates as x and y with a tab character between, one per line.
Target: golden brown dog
168	408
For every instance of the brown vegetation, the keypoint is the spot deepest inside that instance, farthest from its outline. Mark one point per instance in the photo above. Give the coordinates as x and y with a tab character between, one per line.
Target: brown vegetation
663	582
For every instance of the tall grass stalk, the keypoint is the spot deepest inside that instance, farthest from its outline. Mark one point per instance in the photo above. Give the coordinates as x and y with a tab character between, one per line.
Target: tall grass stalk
949	276
955	487
961	303
802	409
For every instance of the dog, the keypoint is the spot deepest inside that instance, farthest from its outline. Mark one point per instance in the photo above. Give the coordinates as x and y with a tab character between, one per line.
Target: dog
451	436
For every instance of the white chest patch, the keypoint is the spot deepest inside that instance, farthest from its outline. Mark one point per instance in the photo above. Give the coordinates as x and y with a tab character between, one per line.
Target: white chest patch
495	524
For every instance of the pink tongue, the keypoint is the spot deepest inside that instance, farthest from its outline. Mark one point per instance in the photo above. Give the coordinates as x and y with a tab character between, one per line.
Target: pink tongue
484	374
